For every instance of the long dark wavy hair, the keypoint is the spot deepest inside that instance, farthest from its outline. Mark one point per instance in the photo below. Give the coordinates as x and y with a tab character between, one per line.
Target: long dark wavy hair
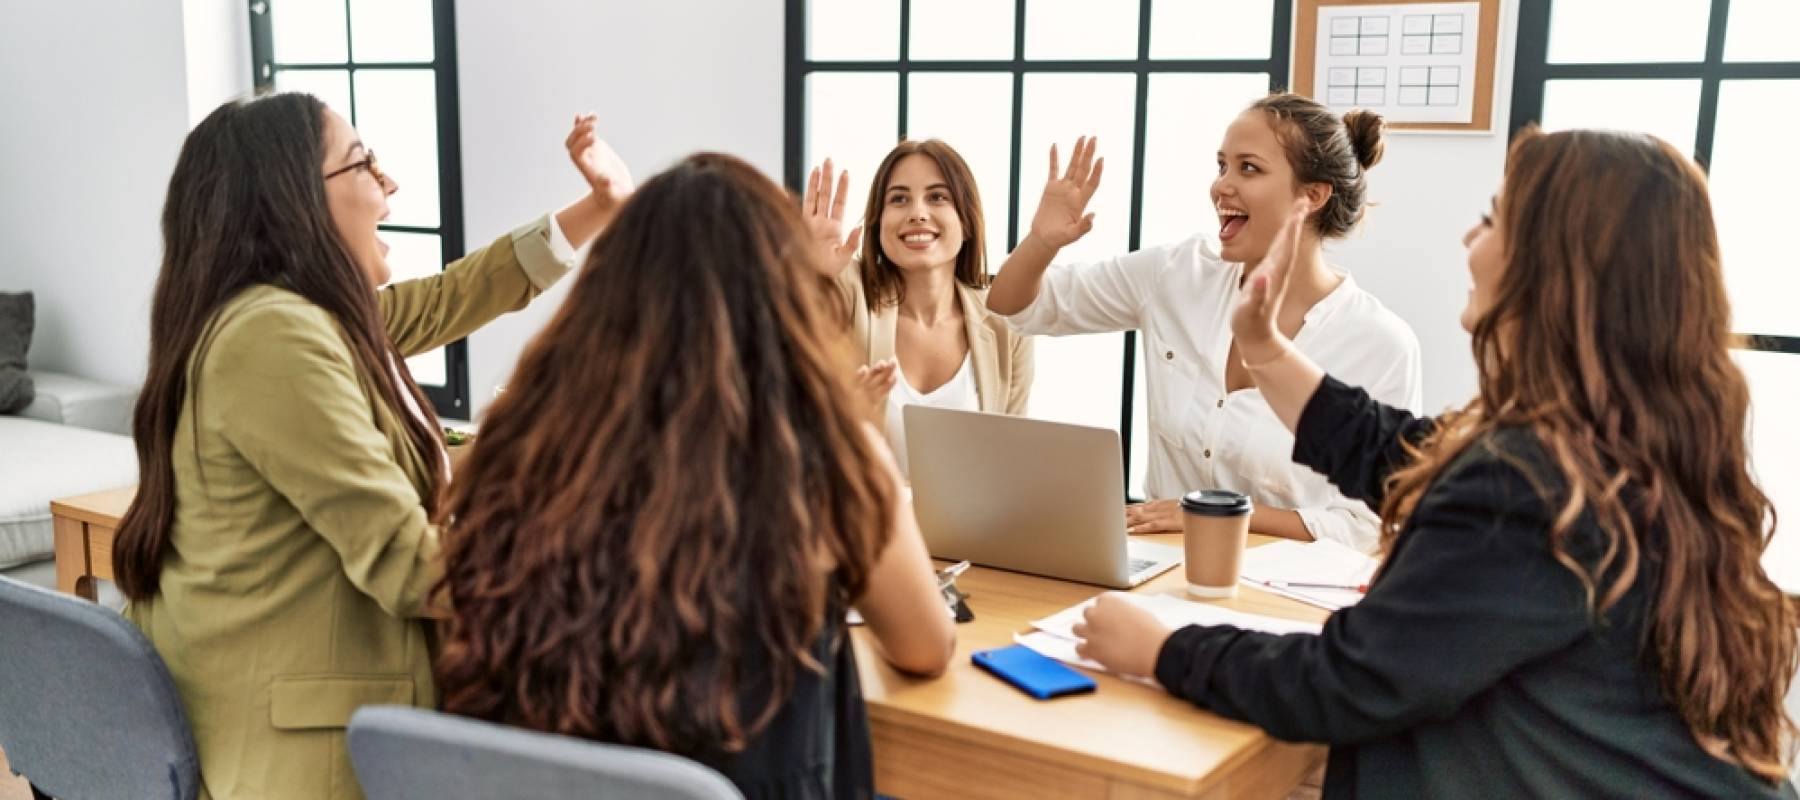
246	206
883	285
1609	338
676	488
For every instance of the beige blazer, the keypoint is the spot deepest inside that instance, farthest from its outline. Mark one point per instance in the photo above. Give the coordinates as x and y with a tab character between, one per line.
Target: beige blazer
301	555
1000	357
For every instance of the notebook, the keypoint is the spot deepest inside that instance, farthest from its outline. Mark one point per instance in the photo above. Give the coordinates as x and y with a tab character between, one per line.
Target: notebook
1322	561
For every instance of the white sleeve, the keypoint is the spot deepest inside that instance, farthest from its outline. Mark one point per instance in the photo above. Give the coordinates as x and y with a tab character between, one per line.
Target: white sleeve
1098	297
1351	522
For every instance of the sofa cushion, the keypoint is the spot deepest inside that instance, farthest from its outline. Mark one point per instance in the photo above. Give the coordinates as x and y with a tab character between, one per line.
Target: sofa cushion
46	462
16	311
84	403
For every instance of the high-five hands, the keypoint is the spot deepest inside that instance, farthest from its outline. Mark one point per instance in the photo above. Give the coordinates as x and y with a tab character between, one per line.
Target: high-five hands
823	208
1062	215
608	179
1254	320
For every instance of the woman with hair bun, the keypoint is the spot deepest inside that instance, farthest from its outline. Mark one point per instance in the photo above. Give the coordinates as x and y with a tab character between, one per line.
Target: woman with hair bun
1209	426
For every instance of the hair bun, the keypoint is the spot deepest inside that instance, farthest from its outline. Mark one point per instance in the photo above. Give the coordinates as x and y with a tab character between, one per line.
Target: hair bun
1365	129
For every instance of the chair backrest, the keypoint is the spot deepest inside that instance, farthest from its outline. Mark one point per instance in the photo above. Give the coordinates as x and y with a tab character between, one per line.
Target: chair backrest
404	753
87	708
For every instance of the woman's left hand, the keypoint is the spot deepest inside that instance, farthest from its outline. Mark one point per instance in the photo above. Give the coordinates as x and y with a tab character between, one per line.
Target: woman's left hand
1121	635
1155	516
608	179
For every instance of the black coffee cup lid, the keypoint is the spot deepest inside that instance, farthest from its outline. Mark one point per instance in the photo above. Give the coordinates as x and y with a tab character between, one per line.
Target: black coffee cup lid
1216	503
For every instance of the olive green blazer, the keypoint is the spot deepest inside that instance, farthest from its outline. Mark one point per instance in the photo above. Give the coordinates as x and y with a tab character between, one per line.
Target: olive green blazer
1000	357
301	554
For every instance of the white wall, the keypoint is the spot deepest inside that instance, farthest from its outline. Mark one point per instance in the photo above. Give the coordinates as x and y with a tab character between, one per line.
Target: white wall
95	106
217	39
667	78
1429	189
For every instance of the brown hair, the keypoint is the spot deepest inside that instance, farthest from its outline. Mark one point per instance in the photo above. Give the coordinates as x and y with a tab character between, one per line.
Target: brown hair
679	485
1324	149
882	283
246	206
1609	339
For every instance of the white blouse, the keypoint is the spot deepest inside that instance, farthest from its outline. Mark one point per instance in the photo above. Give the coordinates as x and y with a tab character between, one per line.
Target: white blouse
958	393
1180	297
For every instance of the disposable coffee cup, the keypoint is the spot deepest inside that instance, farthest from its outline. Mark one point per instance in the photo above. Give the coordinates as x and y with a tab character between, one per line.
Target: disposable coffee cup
1216	526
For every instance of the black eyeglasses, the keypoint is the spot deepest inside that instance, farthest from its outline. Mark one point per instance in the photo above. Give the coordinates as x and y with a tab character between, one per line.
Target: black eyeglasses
367	163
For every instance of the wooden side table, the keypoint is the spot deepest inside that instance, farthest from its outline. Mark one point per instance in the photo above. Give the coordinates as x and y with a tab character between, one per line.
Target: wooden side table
85	526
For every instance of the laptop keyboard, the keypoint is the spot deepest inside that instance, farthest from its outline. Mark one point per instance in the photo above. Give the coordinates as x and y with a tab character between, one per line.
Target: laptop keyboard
1140	564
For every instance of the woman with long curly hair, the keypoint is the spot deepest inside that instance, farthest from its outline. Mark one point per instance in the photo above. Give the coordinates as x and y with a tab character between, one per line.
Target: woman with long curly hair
1572	601
667	516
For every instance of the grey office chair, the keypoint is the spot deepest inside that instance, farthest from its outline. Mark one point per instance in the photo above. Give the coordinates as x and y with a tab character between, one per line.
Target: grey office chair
87	709
405	753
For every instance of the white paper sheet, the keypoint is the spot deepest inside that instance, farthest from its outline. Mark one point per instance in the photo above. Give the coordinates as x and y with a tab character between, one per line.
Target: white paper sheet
1409	63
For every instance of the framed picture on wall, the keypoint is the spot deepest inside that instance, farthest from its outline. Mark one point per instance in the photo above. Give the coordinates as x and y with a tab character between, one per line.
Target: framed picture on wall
1424	65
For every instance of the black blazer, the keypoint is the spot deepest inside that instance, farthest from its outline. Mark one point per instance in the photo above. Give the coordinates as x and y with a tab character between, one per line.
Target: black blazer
1473	667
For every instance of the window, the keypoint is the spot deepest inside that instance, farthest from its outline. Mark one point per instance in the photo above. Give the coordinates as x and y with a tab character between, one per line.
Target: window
389	67
1720	79
1156	80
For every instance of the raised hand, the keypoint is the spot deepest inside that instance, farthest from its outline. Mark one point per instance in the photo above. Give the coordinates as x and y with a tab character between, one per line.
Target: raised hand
1062	215
823	208
877	380
607	177
1254	320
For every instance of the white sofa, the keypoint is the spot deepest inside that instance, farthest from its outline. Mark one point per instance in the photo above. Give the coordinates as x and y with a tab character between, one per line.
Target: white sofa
73	439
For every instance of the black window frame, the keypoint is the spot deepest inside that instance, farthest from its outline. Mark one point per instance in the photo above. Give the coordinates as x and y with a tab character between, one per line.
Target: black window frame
1532	70
1142	66
451	399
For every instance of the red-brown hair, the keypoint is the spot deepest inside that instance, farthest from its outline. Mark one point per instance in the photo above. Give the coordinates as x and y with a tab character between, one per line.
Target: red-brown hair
1610	339
678	482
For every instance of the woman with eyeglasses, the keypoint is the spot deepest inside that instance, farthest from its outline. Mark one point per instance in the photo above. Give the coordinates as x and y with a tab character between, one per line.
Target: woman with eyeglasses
279	550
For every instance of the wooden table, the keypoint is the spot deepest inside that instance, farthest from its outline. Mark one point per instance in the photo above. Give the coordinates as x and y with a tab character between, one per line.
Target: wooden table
84	527
966	734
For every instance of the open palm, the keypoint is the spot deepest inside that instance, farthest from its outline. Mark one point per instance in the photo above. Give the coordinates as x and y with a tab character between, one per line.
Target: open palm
608	179
823	208
1062	215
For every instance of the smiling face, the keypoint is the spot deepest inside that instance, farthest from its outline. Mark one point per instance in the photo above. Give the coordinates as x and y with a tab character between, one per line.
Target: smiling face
1255	190
357	197
920	226
1487	262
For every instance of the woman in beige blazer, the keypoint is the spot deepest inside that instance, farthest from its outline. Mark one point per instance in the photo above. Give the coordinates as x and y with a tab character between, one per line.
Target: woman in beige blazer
279	552
917	293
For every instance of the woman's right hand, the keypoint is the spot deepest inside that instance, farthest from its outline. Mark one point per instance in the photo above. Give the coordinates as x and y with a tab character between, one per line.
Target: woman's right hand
1062	216
823	208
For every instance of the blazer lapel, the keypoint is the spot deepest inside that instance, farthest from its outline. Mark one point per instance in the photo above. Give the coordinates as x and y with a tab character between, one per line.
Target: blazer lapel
983	355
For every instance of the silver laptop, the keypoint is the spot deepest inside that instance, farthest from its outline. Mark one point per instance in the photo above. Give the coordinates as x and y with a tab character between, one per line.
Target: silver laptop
1026	495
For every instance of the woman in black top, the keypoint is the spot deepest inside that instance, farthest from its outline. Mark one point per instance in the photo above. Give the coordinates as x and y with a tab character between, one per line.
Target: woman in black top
1572	602
667	517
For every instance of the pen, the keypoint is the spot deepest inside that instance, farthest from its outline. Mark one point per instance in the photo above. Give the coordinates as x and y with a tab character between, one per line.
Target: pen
948	574
1358	587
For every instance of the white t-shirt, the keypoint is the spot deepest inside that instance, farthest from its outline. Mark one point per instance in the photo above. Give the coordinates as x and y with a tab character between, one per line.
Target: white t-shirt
1180	297
958	393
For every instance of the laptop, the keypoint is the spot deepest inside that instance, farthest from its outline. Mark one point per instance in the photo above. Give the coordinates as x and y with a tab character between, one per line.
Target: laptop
1026	495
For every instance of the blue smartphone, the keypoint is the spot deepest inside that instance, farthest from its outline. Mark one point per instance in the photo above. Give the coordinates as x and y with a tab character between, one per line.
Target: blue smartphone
1037	675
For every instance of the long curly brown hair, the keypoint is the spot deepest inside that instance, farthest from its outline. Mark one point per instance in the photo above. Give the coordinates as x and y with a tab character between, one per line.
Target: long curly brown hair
677	483
1610	339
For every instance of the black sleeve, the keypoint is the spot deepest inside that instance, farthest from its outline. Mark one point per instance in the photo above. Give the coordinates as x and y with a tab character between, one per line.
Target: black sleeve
1354	440
1470	593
